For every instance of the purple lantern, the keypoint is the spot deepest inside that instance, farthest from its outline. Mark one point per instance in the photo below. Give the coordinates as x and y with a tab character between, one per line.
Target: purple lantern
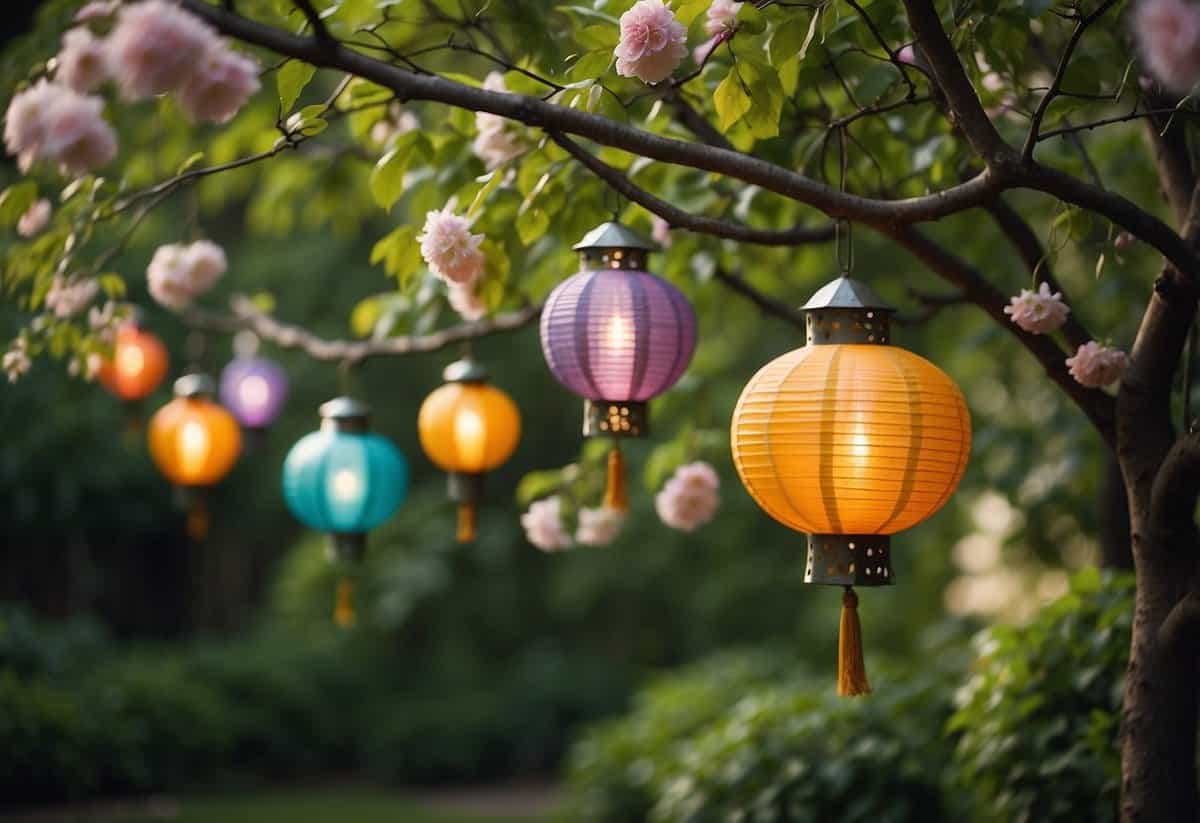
253	388
617	336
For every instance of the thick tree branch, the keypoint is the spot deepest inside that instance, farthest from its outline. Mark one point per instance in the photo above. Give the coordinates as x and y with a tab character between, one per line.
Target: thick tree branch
1097	405
677	217
1023	238
1179	633
775	308
1176	487
245	315
1176	173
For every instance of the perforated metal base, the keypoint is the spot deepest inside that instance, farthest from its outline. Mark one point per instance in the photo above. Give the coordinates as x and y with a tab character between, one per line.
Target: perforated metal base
849	560
346	547
464	488
604	419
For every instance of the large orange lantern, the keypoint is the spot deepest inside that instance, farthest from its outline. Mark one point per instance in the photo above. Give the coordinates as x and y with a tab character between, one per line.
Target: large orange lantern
138	364
194	443
851	440
468	428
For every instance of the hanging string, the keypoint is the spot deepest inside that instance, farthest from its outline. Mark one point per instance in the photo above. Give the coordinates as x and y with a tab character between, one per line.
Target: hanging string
613	203
616	495
197	516
843	229
852	669
343	372
343	610
466	521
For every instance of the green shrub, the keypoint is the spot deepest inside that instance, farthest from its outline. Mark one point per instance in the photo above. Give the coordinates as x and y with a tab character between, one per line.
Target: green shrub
45	746
1038	717
616	770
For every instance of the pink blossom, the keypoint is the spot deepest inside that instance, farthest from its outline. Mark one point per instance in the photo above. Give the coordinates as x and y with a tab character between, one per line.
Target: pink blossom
1038	312
690	498
25	121
35	218
68	298
397	122
219	86
543	525
155	46
81	62
1124	240
907	54
661	232
97	10
498	139
466	301
77	136
1168	32
450	249
16	361
598	527
178	274
721	16
1095	365
652	44
105	320
703	51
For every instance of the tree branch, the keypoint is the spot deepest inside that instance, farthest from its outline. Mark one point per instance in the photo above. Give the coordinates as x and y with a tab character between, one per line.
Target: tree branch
677	217
245	315
775	308
314	20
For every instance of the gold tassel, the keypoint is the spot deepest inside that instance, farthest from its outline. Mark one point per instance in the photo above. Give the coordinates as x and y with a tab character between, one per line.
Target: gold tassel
197	517
616	496
466	521
343	612
852	671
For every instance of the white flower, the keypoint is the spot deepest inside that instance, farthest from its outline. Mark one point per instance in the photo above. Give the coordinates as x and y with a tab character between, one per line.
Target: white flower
598	527
690	498
1095	365
104	320
397	122
498	139
68	298
450	249
15	361
178	274
81	63
661	232
1038	312
543	525
35	218
205	262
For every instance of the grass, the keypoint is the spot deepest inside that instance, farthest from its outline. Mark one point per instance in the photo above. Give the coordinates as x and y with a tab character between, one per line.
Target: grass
334	805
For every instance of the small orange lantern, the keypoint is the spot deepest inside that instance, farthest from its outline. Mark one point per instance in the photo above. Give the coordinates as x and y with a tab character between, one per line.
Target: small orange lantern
138	364
194	443
468	428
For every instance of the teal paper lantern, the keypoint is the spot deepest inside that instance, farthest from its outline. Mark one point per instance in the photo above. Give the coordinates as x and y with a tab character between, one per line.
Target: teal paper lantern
343	479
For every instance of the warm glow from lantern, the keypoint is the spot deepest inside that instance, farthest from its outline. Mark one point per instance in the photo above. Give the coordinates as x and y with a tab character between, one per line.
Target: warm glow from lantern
254	392
194	441
468	428
346	485
616	333
138	364
130	361
851	439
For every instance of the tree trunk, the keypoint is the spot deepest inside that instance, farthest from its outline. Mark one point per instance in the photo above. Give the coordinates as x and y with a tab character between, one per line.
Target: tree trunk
1158	729
1115	552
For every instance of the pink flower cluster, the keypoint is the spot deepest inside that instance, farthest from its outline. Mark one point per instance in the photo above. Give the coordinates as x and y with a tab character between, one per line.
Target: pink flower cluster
35	218
719	24
544	527
497	138
1168	34
690	498
1095	365
598	527
178	273
652	44
52	122
450	249
16	361
1038	312
68	297
466	301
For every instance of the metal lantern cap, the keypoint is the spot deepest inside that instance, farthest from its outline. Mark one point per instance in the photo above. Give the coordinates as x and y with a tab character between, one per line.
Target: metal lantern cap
195	386
849	560
614	246
344	414
466	370
846	310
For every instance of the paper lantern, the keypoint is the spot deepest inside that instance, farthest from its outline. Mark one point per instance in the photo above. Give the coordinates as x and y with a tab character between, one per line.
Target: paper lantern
468	428
254	389
195	443
137	366
344	480
617	336
851	440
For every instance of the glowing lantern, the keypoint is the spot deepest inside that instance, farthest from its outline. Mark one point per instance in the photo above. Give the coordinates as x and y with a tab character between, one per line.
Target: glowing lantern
344	480
468	428
851	440
138	364
194	442
254	389
617	336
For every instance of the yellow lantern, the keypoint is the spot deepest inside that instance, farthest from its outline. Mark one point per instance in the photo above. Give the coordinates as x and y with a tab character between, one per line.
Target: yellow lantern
468	428
194	442
851	440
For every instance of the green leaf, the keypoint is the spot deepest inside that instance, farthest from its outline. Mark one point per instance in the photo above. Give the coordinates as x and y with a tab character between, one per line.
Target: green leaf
387	178
112	284
598	37
400	254
731	99
291	79
491	180
190	162
766	97
538	484
789	38
15	201
532	224
690	10
365	315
